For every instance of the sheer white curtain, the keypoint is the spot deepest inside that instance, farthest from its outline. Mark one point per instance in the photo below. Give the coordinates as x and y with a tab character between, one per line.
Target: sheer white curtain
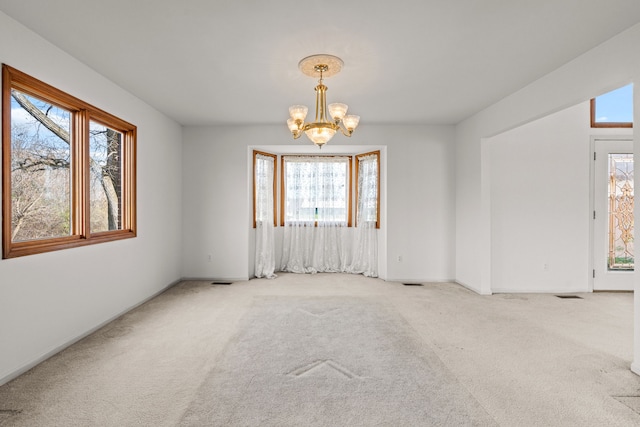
265	263
365	243
316	235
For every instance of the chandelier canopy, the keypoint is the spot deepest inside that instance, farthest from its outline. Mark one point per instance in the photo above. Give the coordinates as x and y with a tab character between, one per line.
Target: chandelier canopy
322	129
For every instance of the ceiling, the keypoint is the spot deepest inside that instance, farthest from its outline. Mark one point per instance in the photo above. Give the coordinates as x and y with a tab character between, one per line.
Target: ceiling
206	62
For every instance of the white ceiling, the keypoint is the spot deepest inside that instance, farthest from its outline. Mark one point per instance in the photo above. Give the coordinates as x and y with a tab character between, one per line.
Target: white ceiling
406	61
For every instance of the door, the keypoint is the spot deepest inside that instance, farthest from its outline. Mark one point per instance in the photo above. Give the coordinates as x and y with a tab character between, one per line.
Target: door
612	251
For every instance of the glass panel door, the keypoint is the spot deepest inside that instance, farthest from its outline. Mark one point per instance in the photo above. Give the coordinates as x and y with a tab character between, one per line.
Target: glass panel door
612	250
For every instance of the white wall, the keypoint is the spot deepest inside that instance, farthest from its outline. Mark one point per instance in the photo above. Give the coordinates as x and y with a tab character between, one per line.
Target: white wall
540	205
418	223
49	300
606	67
420	202
539	179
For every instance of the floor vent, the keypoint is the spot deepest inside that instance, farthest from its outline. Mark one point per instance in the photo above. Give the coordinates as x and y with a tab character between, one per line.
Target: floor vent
569	296
412	284
221	283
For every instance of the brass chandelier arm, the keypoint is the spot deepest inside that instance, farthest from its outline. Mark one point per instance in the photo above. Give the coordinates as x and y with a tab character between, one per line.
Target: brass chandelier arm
303	127
345	131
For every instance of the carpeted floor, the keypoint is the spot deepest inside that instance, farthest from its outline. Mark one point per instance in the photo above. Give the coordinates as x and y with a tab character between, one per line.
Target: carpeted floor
330	361
333	349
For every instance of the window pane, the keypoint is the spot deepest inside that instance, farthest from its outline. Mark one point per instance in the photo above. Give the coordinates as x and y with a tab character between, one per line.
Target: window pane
264	172
105	186
620	212
615	106
40	169
316	189
368	188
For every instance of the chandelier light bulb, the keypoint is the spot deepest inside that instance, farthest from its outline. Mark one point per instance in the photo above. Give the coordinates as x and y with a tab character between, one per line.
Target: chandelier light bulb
351	122
338	111
293	126
298	112
320	136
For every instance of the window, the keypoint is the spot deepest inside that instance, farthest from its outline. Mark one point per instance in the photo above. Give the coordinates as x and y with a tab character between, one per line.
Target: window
68	170
264	187
368	188
316	189
620	198
613	109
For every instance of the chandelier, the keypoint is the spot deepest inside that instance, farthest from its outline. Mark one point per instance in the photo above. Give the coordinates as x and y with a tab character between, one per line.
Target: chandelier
322	129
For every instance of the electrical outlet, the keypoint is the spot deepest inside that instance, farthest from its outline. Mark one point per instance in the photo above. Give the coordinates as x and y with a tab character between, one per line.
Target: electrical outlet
399	258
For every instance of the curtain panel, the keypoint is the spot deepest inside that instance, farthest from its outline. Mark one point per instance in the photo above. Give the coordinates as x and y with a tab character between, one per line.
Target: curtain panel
264	170
365	243
316	214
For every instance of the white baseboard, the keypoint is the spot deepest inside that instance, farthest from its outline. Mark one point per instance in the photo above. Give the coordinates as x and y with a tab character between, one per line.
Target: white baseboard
539	291
419	280
214	279
635	368
37	361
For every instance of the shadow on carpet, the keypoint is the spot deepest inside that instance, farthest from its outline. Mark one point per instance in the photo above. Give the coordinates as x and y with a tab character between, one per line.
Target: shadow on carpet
304	361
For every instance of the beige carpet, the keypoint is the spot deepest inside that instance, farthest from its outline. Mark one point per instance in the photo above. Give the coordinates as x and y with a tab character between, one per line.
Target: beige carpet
520	360
328	361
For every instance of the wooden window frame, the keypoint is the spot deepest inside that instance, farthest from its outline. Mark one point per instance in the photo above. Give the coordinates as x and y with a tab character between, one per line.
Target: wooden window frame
82	113
595	124
275	165
357	159
283	195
